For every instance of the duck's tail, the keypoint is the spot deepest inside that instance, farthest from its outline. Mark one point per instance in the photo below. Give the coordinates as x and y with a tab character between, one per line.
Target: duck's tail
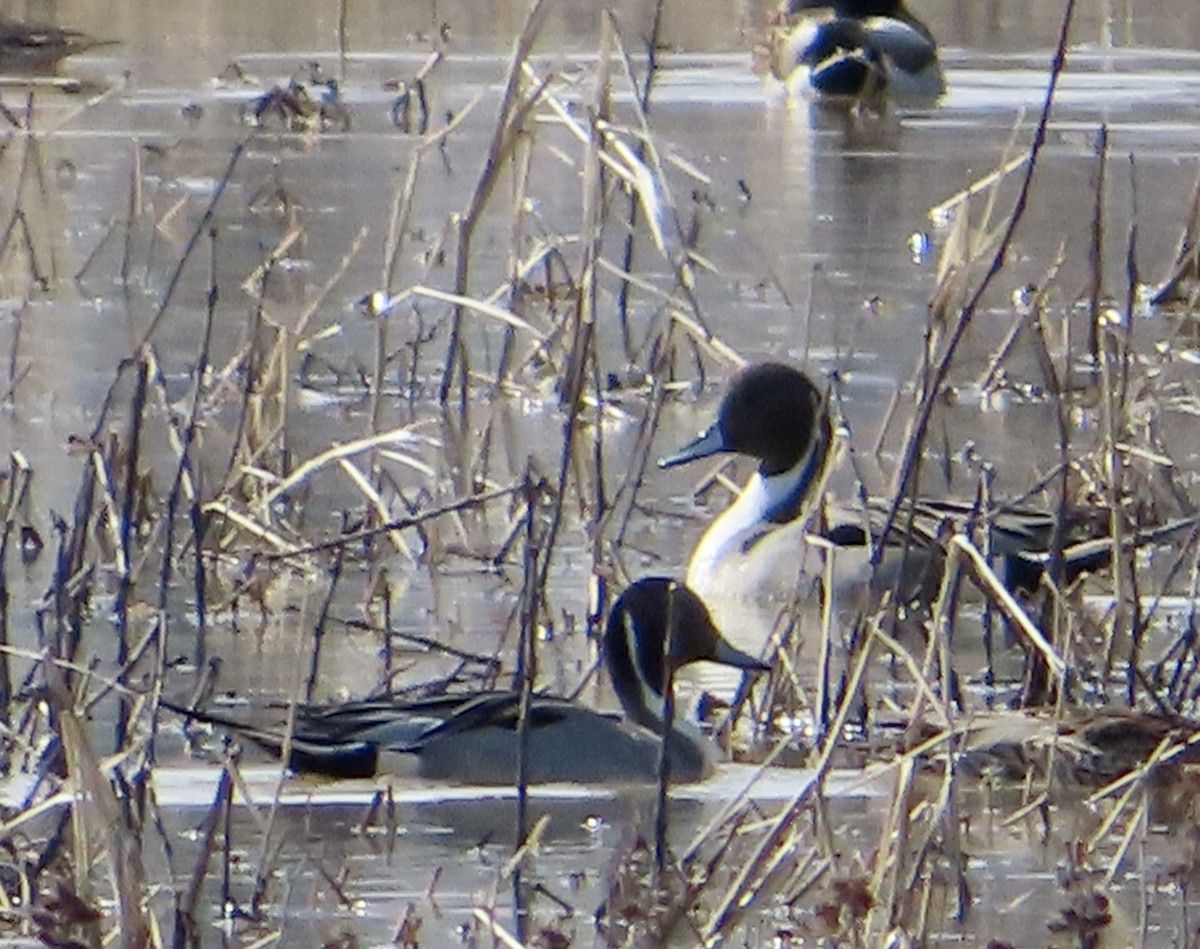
308	751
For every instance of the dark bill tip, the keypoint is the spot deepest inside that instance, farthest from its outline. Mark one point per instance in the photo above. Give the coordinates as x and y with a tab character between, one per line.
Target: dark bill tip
708	443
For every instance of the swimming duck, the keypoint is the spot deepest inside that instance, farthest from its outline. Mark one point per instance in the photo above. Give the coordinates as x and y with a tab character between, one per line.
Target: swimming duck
763	544
857	50
656	626
37	47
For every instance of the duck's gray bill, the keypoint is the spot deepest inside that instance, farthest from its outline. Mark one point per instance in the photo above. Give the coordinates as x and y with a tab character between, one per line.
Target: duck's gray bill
729	656
709	442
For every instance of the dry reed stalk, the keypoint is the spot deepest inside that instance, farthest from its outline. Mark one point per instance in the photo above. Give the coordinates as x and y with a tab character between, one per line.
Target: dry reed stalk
263	864
377	504
582	352
187	928
541	348
340	453
1137	827
735	804
397	228
1114	354
664	749
993	587
483	307
643	101
1096	244
1134	782
944	211
580	344
715	346
132	483
644	179
518	202
252	283
486	917
885	884
183	487
254	528
895	891
96	812
343	18
33	808
515	107
825	672
748	881
623	501
26	168
1125	552
317	301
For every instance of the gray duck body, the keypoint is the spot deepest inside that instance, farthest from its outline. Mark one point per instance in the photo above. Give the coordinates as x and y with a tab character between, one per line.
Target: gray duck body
655	627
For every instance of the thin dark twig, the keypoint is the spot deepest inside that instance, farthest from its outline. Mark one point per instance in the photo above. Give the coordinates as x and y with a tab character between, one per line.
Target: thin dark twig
344	540
310	684
526	673
664	752
1128	554
203	226
187	929
623	287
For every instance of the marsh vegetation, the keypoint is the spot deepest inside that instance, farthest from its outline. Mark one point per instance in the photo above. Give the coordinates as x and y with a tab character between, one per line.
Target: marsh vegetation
346	376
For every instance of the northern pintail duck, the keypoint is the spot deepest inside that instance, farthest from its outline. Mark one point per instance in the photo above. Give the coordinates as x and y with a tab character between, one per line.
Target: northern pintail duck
856	50
773	539
655	627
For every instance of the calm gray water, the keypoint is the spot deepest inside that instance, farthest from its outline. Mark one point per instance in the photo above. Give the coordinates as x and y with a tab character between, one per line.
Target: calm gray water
823	252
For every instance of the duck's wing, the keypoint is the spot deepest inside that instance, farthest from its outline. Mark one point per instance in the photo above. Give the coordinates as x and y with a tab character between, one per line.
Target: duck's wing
312	747
342	741
502	710
910	49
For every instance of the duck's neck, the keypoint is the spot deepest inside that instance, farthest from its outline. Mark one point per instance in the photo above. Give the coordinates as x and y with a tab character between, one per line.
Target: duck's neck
766	501
636	666
637	672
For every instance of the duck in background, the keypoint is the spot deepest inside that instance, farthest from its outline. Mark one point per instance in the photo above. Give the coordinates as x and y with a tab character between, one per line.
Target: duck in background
37	48
655	627
856	51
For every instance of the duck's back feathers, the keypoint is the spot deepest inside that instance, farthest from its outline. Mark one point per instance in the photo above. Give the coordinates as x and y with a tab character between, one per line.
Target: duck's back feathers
904	45
475	740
